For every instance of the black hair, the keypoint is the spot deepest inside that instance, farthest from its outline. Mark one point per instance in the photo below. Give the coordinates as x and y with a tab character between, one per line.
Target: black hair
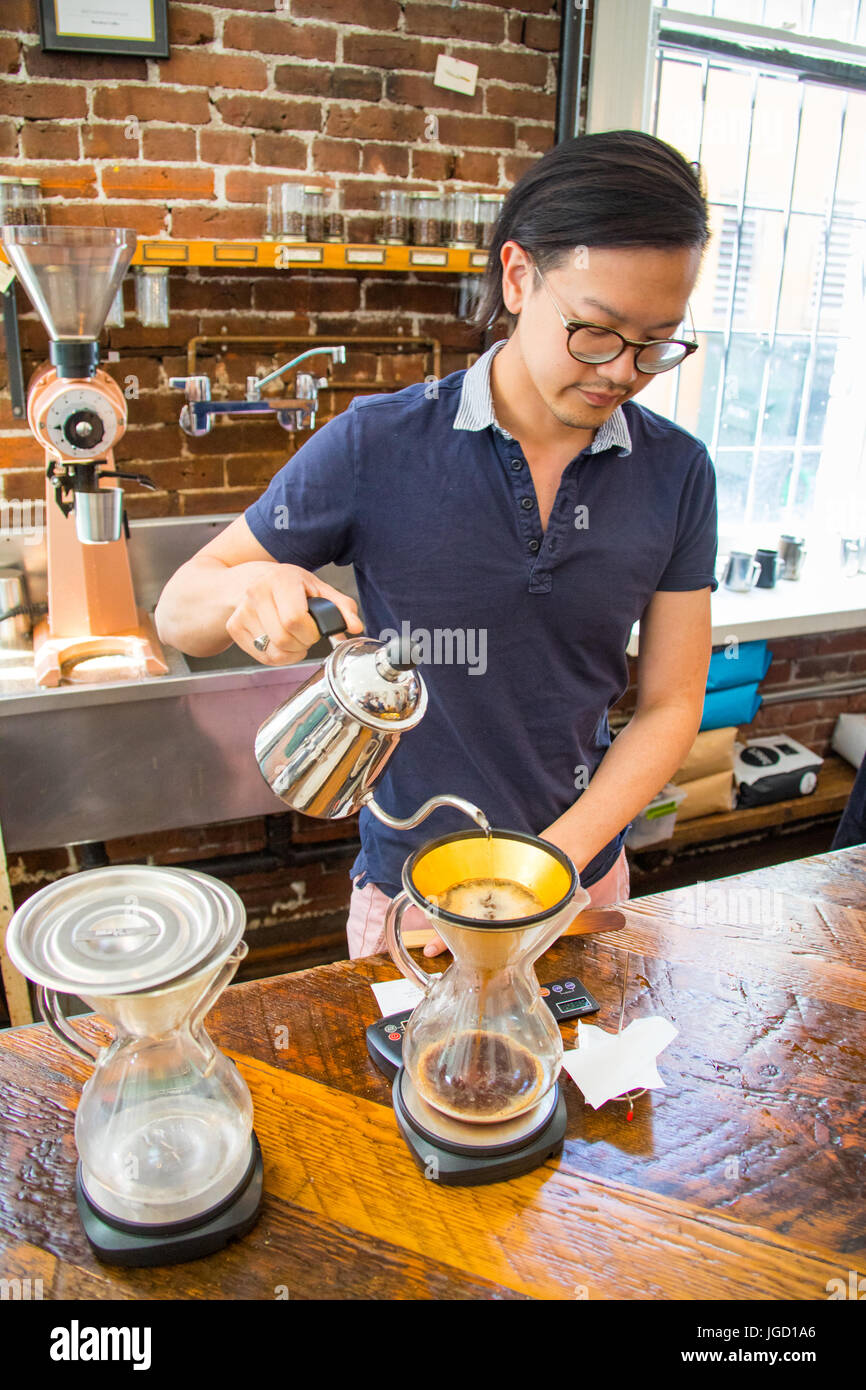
616	188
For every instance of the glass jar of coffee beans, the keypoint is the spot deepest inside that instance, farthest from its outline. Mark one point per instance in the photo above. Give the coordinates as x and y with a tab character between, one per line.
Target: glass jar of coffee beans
426	219
335	218
314	211
21	203
464	220
489	208
286	212
392	205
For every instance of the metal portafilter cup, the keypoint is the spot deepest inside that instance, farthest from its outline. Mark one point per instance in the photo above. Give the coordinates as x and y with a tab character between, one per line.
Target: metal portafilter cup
99	515
14	610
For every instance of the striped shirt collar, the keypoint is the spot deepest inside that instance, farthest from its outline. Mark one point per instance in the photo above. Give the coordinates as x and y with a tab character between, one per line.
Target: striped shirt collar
475	411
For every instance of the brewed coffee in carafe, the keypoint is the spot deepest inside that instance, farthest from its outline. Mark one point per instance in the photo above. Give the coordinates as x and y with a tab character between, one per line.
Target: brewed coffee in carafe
481	1046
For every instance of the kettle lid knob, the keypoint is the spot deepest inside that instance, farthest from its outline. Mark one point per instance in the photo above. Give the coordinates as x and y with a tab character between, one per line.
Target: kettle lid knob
400	654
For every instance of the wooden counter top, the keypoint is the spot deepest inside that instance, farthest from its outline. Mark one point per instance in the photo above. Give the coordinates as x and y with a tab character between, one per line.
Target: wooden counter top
742	1179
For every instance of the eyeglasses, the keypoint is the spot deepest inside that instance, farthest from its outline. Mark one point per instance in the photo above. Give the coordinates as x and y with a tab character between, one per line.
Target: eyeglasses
595	343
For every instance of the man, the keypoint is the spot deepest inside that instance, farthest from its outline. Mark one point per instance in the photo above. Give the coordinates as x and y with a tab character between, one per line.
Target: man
526	504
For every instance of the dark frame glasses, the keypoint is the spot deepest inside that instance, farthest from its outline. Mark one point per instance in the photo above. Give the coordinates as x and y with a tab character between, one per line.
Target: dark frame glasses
647	366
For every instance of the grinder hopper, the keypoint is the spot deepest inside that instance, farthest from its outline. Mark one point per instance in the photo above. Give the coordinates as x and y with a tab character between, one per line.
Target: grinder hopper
71	275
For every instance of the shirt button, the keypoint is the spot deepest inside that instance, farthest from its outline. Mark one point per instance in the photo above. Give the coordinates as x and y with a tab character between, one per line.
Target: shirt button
527	504
517	464
534	545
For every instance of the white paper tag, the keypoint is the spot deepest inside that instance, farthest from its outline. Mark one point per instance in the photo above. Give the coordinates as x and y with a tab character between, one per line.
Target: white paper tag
393	996
456	75
605	1065
7	275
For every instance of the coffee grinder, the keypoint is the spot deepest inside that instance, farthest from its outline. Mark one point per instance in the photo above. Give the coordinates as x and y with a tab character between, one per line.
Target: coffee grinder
93	631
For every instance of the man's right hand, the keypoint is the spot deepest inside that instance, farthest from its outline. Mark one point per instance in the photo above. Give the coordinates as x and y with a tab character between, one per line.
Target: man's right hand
274	604
232	590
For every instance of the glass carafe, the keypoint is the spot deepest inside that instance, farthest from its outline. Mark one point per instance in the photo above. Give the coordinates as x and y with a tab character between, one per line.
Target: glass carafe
164	1125
482	1045
163	1128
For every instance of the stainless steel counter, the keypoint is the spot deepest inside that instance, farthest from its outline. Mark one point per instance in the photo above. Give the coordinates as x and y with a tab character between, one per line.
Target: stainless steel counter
95	762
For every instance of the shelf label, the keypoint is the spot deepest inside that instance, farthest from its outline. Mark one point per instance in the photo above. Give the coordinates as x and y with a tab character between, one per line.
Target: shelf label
479	258
366	255
428	257
164	251
235	251
287	255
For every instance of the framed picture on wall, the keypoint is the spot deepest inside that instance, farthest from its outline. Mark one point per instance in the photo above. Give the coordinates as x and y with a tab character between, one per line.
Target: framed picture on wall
138	27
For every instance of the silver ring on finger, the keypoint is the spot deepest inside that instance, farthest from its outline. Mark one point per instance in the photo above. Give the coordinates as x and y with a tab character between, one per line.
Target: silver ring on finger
261	643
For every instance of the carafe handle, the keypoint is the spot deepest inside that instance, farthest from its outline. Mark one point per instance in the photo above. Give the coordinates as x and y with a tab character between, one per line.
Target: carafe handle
399	955
217	985
49	1007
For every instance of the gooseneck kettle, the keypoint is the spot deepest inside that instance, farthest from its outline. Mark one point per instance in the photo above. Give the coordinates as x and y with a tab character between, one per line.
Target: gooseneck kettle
321	751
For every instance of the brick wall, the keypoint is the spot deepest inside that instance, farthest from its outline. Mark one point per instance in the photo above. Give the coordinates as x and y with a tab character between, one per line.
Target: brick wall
797	663
254	91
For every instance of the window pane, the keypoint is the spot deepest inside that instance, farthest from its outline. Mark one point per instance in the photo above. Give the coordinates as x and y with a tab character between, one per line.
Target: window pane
785	390
700	382
732	484
804	494
692	6
759	266
712	294
787	14
746	10
747	358
819	145
851	185
680	103
834	19
661	394
801	280
771	485
819	396
842	292
774	142
725	142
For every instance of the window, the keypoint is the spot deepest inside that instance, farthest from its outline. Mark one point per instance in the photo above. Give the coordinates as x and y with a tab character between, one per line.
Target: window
778	125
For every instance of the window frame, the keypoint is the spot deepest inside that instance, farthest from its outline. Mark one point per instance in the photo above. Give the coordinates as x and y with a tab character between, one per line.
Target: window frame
623	74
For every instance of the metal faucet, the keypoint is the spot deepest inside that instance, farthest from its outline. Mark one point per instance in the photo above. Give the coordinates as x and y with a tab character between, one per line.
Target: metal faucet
297	413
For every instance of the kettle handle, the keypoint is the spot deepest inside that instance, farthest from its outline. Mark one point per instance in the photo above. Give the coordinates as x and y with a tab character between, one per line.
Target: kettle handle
399	955
49	1007
327	616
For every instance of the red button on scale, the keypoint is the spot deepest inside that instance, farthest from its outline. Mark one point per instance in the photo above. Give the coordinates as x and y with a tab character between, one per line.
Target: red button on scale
395	1037
544	991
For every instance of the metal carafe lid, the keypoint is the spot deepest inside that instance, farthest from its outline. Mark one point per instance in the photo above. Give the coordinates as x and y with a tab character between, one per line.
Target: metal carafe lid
123	929
377	684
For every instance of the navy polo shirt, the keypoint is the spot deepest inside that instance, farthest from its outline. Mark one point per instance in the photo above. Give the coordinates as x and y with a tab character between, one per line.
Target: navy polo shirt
525	631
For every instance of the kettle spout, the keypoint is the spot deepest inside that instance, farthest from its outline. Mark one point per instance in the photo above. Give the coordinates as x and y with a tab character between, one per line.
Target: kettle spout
427	809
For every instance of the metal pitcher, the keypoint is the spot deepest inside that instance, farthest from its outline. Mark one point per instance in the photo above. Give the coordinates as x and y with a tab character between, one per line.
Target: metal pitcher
793	552
323	748
742	572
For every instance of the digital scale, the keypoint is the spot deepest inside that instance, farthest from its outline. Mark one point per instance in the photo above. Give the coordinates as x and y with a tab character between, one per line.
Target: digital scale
126	1243
460	1153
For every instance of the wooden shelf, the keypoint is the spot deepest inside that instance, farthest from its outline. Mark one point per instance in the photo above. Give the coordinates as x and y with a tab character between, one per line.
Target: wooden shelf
284	255
835	780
